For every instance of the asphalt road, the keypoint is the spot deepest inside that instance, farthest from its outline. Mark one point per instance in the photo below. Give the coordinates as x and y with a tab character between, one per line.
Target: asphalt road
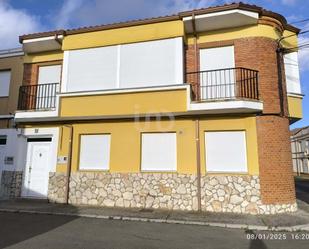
29	231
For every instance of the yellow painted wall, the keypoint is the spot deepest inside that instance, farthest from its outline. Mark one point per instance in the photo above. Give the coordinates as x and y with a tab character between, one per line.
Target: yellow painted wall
291	40
124	104
63	146
43	57
295	107
126	136
132	34
259	30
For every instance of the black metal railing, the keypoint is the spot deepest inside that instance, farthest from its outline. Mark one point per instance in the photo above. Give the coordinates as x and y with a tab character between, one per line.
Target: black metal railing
37	97
227	83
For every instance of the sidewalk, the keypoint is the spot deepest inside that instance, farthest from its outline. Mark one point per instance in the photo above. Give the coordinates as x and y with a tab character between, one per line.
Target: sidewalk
298	221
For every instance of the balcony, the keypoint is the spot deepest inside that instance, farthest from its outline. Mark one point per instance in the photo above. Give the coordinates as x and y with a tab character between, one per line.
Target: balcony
37	97
231	90
224	84
228	90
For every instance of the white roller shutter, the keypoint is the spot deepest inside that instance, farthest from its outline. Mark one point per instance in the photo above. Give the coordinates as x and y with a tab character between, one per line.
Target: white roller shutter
159	152
91	69
226	151
94	152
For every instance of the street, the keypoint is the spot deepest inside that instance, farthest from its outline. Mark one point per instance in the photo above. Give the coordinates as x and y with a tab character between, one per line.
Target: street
52	231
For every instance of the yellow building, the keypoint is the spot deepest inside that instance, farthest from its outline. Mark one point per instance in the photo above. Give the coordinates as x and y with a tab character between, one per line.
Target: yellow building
173	112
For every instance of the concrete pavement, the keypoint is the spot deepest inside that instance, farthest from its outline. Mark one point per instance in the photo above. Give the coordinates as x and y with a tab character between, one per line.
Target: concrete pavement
30	231
298	221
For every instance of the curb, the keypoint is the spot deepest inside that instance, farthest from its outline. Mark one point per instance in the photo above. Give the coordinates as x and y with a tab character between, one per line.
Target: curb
297	228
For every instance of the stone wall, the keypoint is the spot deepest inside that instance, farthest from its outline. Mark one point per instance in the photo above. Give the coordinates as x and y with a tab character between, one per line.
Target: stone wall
148	190
57	187
237	194
11	184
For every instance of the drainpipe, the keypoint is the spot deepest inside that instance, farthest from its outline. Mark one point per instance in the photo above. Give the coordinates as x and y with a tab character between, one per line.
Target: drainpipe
197	122
198	164
196	57
69	164
280	87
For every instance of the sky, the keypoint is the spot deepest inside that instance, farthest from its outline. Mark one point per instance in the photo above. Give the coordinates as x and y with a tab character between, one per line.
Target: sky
19	17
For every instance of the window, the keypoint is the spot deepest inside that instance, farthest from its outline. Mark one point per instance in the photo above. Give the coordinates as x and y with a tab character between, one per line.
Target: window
94	152
226	151
49	74
217	84
153	63
291	69
5	78
91	69
306	166
141	64
3	139
159	152
299	146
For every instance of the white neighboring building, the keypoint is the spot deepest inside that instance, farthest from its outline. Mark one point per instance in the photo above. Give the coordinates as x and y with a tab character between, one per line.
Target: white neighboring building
300	150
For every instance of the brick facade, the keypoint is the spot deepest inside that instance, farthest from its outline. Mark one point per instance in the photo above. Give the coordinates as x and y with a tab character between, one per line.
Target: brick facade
259	53
30	74
31	71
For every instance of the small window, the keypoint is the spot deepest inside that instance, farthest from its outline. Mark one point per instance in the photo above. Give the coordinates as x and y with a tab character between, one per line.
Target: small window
5	78
94	152
226	151
159	152
49	74
3	139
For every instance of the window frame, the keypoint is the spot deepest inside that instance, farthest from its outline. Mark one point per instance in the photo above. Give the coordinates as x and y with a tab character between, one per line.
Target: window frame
9	83
227	171
141	152
79	152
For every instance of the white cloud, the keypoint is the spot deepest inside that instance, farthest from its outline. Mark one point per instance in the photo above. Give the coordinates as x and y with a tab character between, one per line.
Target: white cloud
13	23
67	11
93	12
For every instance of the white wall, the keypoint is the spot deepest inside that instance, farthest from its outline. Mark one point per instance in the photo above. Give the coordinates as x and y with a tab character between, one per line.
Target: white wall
143	64
292	73
15	147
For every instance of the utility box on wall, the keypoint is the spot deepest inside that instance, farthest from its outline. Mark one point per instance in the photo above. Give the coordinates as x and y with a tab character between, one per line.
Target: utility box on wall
62	160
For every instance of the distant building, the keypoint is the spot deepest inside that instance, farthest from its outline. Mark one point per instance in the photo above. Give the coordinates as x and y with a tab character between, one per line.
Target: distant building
300	150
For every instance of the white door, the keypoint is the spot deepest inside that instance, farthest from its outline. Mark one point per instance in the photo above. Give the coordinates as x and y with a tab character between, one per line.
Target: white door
218	82
47	75
37	170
